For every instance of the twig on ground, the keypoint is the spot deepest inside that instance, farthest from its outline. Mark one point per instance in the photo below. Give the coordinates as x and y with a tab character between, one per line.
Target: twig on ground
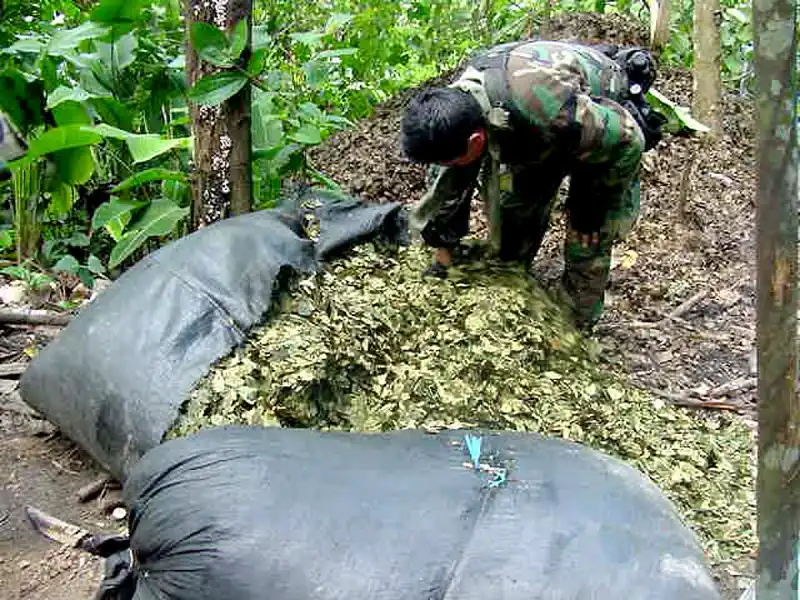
737	385
9	316
667	319
745	331
91	490
686	306
689	402
13	370
61	467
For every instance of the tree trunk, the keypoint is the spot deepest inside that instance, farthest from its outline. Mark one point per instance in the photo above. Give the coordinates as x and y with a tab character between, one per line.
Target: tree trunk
707	77
659	24
221	178
547	11
775	39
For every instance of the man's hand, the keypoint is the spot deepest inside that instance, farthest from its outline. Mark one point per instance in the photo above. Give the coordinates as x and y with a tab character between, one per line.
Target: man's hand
443	256
442	259
584	239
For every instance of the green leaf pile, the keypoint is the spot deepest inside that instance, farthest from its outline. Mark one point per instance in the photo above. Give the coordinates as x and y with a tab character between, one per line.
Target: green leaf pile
371	345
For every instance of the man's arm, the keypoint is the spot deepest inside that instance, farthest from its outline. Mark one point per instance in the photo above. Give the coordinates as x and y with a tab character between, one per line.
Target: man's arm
442	215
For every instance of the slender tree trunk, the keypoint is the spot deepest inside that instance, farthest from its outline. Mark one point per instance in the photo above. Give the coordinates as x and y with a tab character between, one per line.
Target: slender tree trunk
775	38
547	10
659	24
707	77
221	178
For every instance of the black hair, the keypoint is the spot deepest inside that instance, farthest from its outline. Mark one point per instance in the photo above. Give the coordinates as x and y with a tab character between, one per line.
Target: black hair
437	124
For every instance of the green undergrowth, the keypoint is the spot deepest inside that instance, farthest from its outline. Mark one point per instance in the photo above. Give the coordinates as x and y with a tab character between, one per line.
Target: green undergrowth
370	345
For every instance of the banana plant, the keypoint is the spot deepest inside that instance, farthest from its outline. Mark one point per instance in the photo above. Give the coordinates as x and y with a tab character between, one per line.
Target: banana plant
74	90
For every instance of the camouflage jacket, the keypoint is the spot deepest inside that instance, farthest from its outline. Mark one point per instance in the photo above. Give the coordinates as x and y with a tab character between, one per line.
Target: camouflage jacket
539	98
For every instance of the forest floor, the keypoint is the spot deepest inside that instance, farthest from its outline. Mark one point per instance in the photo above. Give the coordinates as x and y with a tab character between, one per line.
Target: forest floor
680	313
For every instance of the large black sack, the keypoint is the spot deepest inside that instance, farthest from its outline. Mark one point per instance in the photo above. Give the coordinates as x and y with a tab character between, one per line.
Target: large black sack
289	514
115	378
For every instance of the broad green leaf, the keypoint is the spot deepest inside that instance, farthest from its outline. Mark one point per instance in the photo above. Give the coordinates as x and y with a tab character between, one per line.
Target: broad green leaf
30	45
732	64
336	52
310	111
178	63
317	72
211	44
217	57
307	134
107	131
61	138
116	227
261	38
267	128
112	112
205	35
71	113
67	264
257	62
6	240
147	147
309	38
738	14
65	94
95	266
670	109
337	20
214	89
120	54
340	122
239	38
108	211
62	198
160	219
20	99
266	153
177	191
156	174
66	41
287	159
77	240
75	165
273	133
116	11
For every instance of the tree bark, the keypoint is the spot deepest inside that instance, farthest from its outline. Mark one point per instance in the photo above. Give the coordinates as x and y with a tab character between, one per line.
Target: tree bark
659	24
222	176
707	76
774	31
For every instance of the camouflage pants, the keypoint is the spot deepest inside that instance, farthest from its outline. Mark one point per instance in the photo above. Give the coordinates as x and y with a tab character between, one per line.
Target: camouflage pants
603	199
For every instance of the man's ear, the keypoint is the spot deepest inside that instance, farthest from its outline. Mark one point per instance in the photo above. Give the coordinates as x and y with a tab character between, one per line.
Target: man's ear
476	144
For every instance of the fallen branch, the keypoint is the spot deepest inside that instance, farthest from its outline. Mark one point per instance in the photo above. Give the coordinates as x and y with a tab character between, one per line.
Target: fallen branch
686	306
92	490
667	320
13	370
9	316
689	402
737	385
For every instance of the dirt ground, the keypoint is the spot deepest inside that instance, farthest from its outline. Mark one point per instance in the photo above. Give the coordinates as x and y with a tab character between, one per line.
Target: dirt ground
680	316
39	468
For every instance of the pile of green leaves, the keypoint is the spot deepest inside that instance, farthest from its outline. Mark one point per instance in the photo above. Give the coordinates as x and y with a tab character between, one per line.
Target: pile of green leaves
370	345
